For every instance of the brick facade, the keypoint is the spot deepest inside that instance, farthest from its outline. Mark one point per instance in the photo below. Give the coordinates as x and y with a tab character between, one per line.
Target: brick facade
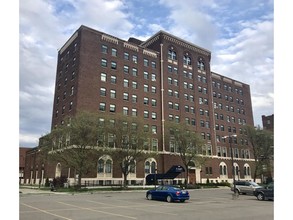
164	76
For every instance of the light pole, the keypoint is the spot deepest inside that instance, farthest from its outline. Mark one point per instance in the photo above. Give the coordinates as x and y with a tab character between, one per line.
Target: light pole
232	161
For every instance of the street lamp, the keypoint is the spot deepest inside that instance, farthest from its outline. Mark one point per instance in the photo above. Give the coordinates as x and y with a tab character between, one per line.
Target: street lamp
232	159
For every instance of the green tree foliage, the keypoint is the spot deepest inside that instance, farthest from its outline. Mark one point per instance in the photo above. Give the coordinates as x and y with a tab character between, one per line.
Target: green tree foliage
187	143
74	144
262	142
128	142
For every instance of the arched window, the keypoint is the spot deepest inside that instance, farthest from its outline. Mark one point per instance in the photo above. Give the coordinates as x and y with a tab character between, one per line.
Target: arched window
246	170
150	166
186	60
105	165
200	64
223	169
172	54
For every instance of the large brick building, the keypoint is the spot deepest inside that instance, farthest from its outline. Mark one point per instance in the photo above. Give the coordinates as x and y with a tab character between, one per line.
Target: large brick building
164	78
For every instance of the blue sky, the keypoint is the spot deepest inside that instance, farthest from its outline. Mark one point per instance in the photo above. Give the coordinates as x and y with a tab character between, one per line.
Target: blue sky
240	35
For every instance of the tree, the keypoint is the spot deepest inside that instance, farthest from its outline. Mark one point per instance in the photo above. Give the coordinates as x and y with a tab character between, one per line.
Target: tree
127	142
187	143
262	142
75	143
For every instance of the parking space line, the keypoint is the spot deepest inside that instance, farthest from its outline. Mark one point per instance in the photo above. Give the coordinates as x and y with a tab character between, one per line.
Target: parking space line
137	207
44	211
94	210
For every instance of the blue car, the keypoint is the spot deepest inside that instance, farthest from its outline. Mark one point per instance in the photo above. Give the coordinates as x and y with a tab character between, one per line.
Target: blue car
167	193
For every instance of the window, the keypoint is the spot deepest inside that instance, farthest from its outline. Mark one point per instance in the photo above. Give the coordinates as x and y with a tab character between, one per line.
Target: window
186	60
113	79
113	65
154	89
146	101
154	129
176	106
134	98
175	70
70	105
153	77
134	58
175	82
102	106
126	56
104	63
145	62
154	115
176	94
103	77
200	64
112	94
112	108
134	112
125	111
134	85
103	92
154	65
146	128
114	52
154	102
104	49
72	91
134	71
145	88
125	96
172	54
125	83
145	75
72	75
126	69
155	144
145	114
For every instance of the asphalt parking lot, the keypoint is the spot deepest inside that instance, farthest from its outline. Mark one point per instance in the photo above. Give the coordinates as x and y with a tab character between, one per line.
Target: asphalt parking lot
204	204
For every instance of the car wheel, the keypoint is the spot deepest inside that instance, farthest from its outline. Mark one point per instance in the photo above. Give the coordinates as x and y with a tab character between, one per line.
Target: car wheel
149	197
182	200
169	199
260	196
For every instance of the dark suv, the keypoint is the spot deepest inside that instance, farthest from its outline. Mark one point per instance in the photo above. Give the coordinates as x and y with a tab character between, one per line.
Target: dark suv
245	187
265	193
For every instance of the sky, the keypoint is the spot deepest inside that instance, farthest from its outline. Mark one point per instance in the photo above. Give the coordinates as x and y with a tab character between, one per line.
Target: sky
239	34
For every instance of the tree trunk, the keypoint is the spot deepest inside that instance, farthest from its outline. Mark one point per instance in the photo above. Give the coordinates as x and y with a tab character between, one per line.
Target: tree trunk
125	180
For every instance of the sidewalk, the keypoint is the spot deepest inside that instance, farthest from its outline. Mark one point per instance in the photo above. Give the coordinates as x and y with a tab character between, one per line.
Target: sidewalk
32	190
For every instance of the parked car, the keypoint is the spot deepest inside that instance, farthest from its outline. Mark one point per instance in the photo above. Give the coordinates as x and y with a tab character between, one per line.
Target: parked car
266	193
168	193
245	187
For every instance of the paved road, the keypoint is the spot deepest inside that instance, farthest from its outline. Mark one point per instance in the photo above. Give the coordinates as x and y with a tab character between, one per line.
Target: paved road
206	204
